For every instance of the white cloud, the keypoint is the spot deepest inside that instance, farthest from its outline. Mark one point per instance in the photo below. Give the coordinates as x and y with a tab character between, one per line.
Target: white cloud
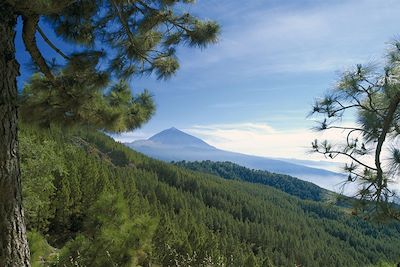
130	136
263	140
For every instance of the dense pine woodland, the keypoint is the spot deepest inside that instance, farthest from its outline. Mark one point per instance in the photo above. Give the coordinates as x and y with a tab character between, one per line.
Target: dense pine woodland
286	183
90	201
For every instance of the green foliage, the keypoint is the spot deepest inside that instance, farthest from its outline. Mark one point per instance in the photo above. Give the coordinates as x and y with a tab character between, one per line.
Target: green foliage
251	261
41	163
374	97
138	35
42	254
111	41
79	204
110	198
384	264
286	183
73	99
112	236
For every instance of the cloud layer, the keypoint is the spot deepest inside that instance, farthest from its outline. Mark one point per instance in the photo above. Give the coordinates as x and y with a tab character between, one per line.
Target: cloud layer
261	139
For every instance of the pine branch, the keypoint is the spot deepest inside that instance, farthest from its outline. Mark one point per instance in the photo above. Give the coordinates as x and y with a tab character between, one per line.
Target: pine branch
128	32
370	96
47	40
28	35
345	128
347	155
177	25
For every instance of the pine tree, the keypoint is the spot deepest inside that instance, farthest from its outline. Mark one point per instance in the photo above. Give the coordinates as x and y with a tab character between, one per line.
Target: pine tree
251	261
374	97
140	37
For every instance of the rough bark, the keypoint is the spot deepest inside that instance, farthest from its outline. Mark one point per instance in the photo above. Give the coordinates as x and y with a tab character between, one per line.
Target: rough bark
14	250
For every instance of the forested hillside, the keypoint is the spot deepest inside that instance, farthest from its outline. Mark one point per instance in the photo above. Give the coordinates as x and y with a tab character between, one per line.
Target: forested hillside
286	183
90	201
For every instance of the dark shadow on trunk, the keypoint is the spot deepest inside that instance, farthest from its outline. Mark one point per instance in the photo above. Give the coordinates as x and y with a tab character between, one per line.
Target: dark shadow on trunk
14	250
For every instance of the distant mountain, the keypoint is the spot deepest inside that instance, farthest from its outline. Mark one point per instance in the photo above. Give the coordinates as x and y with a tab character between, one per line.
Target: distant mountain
175	145
176	138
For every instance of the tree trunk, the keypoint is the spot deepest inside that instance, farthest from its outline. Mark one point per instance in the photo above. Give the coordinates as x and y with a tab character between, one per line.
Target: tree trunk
14	250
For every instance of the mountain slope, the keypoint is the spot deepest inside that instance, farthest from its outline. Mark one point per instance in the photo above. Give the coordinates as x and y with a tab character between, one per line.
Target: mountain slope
111	204
175	145
285	183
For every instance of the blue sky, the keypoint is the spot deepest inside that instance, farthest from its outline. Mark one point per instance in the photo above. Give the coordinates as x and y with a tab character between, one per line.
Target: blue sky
252	91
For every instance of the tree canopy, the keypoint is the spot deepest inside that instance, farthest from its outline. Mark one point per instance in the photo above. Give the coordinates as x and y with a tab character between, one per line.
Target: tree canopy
116	40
